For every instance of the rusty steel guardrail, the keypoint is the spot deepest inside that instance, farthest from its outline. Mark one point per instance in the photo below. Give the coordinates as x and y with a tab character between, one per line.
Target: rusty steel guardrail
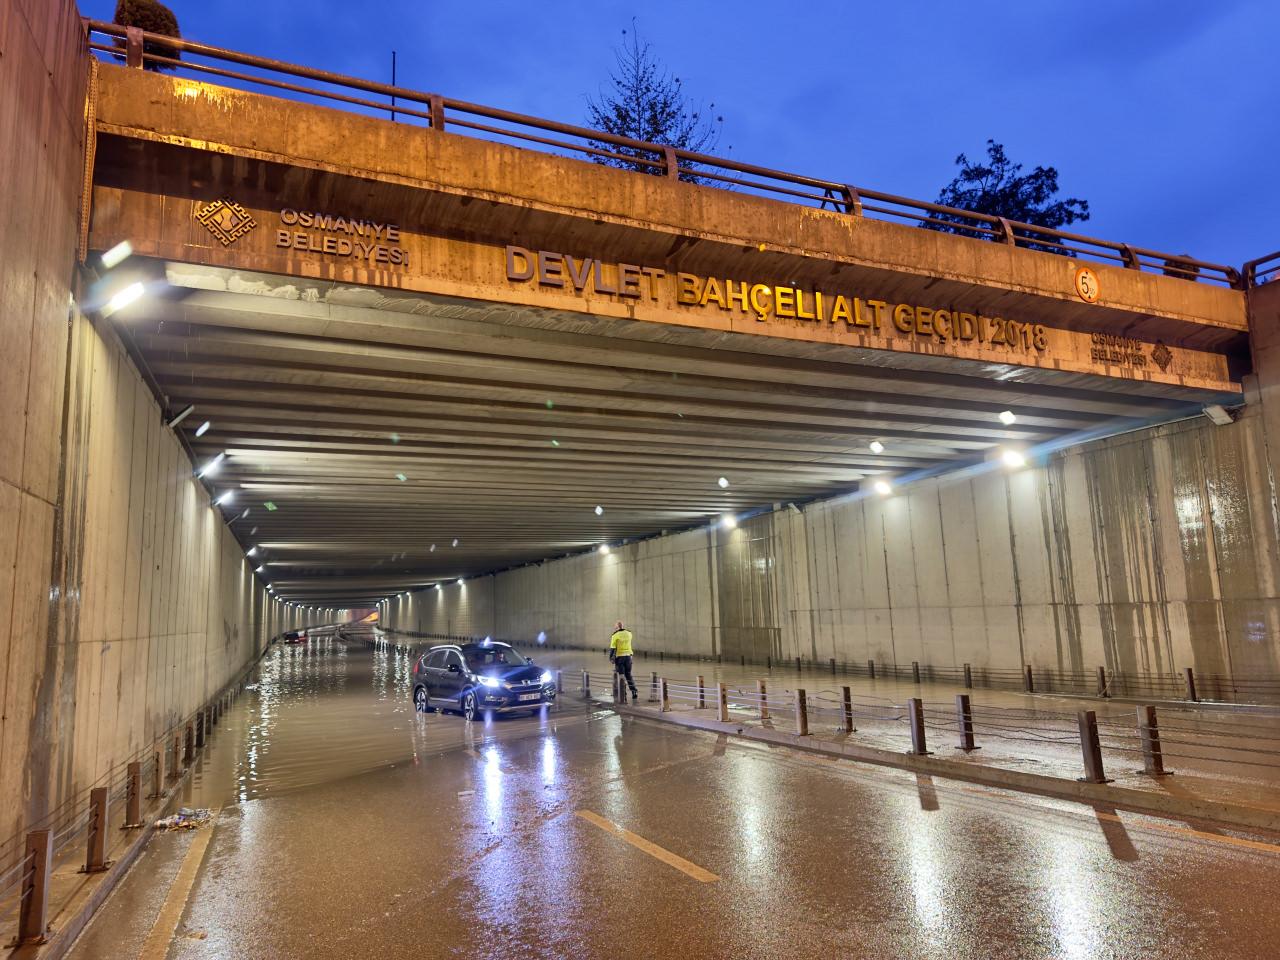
115	801
1117	736
1186	684
139	49
1263	270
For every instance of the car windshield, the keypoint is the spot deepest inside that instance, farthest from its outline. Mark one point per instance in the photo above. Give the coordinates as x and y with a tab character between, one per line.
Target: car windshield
494	658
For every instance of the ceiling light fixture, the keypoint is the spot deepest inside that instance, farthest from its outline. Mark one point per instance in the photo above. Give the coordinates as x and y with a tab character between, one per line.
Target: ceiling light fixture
599	510
724	483
877	446
225	498
213	466
181	415
203	428
1013	459
883	487
604	548
729	521
123	298
1008	418
117	254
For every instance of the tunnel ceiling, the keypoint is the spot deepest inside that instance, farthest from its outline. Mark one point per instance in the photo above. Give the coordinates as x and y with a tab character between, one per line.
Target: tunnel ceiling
366	431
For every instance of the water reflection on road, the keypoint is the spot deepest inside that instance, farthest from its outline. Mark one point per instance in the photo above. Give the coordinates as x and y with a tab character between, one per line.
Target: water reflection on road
327	710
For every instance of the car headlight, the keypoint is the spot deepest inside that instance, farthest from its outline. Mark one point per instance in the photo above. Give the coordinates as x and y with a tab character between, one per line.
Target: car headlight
490	681
546	677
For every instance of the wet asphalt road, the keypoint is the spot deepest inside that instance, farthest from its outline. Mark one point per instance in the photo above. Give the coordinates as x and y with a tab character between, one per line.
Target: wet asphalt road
351	827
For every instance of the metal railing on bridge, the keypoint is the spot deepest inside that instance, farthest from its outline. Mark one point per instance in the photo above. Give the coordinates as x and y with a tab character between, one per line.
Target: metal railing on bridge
216	64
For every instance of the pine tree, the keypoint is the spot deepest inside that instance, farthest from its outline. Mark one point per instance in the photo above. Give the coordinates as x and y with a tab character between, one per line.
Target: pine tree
643	101
998	188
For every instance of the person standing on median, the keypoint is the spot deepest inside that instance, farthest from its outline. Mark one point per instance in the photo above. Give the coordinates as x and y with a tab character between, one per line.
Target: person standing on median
620	653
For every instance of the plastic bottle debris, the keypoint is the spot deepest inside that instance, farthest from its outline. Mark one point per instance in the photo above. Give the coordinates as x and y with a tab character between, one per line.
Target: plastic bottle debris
185	819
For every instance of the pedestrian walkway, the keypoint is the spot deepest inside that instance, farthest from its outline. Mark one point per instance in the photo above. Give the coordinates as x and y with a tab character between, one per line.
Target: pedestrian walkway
1210	756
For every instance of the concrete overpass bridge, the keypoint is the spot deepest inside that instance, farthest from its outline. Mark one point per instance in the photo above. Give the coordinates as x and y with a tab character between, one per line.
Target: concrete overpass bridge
406	334
491	375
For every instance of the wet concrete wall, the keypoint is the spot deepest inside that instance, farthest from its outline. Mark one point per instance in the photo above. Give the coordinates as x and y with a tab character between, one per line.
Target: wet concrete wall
124	602
1146	552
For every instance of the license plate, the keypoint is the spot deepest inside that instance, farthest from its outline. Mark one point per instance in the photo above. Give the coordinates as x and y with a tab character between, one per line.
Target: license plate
530	696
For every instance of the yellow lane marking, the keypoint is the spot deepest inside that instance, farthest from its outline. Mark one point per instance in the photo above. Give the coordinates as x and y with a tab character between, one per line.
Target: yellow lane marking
166	925
1145	825
652	849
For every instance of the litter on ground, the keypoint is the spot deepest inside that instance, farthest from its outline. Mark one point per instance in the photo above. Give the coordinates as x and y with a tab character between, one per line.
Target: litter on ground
185	819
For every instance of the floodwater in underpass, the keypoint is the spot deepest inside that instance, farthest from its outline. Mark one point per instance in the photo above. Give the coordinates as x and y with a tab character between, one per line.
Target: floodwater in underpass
329	709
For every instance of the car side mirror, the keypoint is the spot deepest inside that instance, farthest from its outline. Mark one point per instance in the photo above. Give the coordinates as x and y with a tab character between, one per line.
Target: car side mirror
454	668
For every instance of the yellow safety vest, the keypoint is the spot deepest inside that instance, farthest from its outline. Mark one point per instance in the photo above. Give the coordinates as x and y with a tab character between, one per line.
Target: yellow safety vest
620	643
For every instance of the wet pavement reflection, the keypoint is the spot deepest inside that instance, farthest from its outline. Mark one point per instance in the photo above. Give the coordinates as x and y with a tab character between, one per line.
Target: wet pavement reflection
327	710
352	826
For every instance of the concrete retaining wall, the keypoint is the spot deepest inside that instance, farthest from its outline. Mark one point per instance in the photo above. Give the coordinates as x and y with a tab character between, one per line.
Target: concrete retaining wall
1146	552
124	601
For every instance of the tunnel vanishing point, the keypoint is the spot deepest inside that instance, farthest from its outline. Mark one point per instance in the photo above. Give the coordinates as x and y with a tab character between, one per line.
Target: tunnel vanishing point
279	353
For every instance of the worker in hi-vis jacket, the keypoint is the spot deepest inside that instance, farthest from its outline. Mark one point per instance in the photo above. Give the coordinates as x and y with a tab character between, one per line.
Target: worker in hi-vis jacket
620	653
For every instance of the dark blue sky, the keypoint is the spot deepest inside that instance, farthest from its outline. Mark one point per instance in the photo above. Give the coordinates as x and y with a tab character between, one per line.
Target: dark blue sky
1160	114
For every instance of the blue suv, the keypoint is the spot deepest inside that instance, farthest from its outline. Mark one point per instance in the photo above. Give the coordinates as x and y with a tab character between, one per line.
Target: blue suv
475	678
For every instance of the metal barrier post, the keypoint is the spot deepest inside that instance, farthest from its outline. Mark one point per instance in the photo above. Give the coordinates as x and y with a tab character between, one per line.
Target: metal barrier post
832	661
1190	677
96	855
915	710
1102	682
768	663
802	714
33	903
797	665
133	796
871	669
846	709
1149	733
133	47
175	763
702	693
665	702
722	702
915	672
964	720
653	687
968	677
1090	748
762	690
189	745
157	777
586	684
200	730
559	687
1029	683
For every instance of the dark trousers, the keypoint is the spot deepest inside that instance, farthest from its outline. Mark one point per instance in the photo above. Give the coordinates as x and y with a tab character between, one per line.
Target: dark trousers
623	666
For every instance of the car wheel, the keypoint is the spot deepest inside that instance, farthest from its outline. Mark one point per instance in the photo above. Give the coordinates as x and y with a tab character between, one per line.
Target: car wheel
470	709
420	701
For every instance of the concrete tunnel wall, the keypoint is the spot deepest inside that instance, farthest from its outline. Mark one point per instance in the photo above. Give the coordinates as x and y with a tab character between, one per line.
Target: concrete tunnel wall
1145	552
125	603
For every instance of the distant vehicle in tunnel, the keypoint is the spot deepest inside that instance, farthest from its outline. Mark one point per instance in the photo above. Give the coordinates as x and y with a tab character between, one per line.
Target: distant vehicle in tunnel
295	636
477	678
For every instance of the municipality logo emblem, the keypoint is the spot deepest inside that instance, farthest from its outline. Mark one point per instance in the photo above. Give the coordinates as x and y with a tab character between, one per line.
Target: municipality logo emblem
1162	355
226	220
